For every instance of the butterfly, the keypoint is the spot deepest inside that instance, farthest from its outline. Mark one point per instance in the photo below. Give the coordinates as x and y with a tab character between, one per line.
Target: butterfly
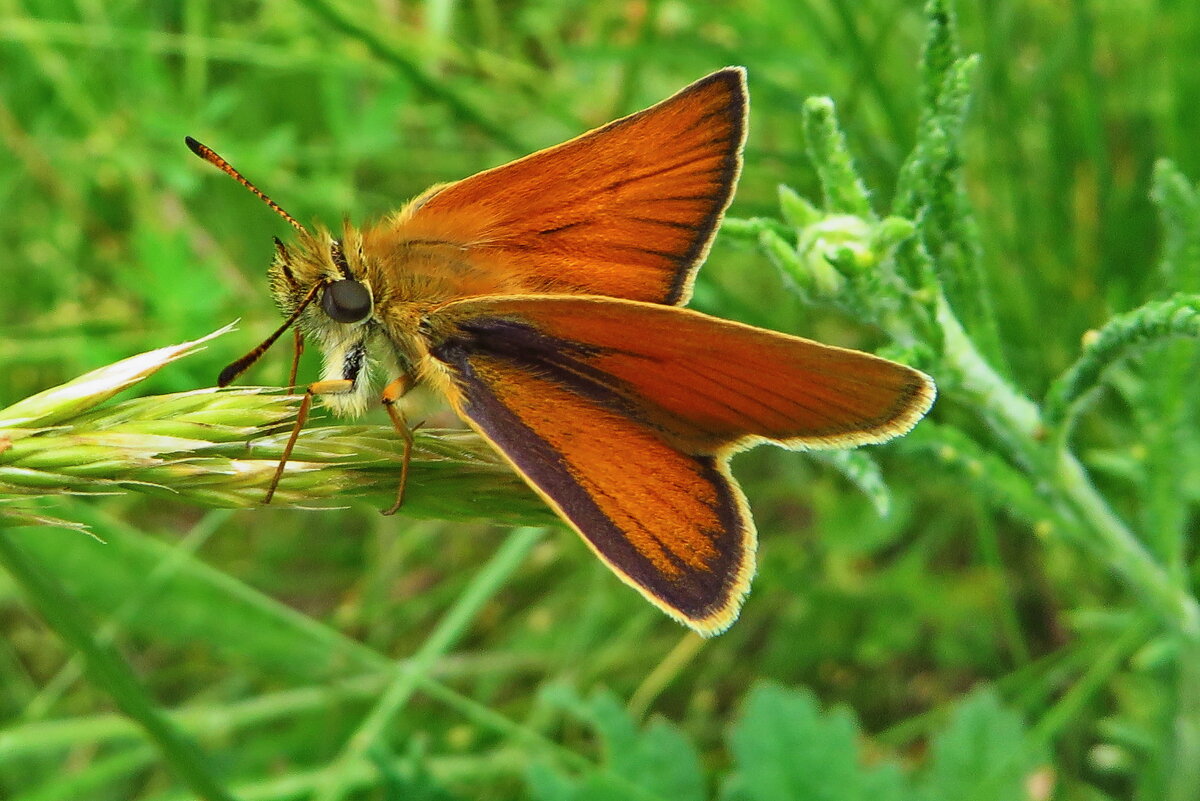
544	301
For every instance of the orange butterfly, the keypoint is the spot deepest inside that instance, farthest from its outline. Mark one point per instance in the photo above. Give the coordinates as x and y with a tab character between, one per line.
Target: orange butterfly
542	300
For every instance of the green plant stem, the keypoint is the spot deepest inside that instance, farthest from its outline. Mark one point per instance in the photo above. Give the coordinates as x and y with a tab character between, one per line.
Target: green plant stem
1018	423
1007	616
109	671
363	775
1001	405
50	693
1126	553
101	774
1100	669
485	717
410	674
1185	778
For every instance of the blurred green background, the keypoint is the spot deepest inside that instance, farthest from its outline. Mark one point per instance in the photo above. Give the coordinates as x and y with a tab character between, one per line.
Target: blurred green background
117	240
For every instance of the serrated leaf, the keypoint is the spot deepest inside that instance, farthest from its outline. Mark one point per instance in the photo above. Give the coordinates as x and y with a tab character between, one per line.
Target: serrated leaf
658	762
985	754
785	747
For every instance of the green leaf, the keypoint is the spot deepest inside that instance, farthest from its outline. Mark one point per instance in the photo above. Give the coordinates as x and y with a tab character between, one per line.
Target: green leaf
109	671
657	761
785	747
984	755
795	208
844	191
198	606
939	53
1179	207
931	186
1152	322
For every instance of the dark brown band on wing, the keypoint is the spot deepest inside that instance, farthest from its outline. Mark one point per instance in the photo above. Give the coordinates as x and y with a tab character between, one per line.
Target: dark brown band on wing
562	361
731	166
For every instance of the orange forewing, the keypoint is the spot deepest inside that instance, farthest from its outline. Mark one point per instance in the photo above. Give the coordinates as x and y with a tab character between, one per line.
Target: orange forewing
627	210
623	416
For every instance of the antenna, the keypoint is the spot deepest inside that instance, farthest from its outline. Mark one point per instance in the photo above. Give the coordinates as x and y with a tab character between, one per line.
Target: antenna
243	364
208	154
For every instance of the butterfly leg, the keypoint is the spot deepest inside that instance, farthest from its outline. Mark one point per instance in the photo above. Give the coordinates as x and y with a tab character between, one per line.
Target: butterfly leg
334	387
392	393
297	351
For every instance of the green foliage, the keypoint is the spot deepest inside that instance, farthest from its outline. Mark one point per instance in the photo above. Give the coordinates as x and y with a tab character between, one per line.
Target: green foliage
657	763
863	472
1018	215
1153	322
1178	203
783	746
1034	475
984	753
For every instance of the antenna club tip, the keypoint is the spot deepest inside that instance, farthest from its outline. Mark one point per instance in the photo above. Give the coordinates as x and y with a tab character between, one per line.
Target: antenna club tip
208	154
228	375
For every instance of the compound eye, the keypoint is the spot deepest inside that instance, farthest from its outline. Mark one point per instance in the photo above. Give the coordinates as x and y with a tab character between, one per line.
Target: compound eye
346	301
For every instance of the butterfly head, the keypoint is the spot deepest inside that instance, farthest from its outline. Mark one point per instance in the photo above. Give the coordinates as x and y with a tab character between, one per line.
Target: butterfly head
321	285
325	278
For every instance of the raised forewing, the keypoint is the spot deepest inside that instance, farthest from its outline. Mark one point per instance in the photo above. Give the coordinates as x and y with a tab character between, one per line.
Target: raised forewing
627	210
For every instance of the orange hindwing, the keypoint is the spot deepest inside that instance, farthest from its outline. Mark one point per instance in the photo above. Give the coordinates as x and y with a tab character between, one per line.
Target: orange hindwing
623	415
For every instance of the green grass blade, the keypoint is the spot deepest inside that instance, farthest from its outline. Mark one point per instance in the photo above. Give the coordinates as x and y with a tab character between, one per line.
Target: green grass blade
110	672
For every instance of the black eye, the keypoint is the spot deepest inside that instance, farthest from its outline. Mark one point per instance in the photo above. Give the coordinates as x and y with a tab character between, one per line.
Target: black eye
346	301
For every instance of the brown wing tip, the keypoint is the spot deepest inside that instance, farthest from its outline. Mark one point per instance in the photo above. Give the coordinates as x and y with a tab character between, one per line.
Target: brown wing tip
914	405
739	90
723	612
913	402
717	621
710	613
735	102
733	73
734	81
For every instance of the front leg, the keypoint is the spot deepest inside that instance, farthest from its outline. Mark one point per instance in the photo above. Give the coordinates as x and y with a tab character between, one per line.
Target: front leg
392	393
336	386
